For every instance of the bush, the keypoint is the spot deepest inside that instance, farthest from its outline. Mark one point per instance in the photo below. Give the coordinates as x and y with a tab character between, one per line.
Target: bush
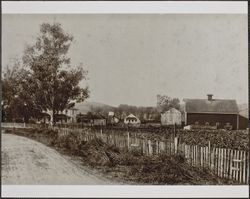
32	121
136	152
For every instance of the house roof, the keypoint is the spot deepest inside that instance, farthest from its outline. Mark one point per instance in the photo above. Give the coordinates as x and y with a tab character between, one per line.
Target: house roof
73	108
218	106
61	116
131	116
43	114
90	116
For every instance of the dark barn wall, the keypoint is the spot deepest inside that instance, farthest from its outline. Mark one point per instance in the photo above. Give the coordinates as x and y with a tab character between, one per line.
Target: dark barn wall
202	118
243	122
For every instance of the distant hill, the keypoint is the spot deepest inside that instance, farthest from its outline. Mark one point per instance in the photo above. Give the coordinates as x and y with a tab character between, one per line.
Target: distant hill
86	106
243	109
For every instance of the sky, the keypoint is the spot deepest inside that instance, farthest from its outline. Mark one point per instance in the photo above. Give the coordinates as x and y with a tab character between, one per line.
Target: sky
133	57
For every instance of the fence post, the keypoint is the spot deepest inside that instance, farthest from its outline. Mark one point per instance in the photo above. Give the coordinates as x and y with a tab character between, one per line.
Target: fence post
244	166
209	154
175	145
128	140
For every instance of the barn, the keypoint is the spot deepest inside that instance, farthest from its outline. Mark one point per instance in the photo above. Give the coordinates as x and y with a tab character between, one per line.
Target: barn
171	117
243	122
214	112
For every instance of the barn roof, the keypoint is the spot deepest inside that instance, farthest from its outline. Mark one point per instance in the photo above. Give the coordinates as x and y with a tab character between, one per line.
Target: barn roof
218	106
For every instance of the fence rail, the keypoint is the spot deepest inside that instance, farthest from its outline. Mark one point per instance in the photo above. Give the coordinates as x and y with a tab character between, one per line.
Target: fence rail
18	125
223	162
13	125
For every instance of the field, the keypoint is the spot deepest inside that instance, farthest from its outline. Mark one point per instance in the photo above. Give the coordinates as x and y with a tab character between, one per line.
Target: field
235	139
218	138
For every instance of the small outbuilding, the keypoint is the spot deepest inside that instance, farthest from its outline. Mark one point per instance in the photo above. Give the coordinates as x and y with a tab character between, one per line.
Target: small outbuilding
112	119
171	117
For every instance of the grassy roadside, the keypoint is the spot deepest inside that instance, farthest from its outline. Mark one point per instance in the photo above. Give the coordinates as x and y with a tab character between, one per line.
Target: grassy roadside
130	166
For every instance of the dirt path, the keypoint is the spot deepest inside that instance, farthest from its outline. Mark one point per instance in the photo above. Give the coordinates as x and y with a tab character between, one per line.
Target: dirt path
25	161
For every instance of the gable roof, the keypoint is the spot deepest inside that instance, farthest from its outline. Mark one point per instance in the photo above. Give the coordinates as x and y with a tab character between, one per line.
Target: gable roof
131	116
219	106
90	116
61	116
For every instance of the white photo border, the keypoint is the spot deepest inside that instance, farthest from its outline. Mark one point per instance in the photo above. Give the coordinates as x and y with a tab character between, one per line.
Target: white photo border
125	7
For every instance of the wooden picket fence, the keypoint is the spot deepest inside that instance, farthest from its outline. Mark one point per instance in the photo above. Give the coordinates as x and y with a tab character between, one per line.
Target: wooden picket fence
224	162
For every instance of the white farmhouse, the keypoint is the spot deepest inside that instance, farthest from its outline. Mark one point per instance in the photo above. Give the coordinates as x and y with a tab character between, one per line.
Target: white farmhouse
132	120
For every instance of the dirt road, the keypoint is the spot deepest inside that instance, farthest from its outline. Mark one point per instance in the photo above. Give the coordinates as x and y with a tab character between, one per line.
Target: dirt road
25	161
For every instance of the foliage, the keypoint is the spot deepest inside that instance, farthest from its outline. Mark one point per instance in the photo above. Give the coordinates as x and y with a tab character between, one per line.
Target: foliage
17	101
48	81
164	103
218	138
144	113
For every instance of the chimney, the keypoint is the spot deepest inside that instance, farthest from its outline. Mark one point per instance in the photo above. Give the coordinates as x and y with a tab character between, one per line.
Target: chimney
210	97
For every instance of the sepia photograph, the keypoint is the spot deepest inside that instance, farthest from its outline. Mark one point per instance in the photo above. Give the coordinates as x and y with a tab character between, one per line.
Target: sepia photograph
124	99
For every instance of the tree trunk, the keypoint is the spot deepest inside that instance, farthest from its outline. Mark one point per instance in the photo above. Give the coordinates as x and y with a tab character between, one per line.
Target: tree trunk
51	114
53	118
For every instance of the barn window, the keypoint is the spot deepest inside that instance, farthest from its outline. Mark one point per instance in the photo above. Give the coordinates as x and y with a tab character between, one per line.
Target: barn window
228	126
207	123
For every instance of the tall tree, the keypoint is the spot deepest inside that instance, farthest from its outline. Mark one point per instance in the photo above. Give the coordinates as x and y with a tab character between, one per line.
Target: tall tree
55	83
17	101
165	102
